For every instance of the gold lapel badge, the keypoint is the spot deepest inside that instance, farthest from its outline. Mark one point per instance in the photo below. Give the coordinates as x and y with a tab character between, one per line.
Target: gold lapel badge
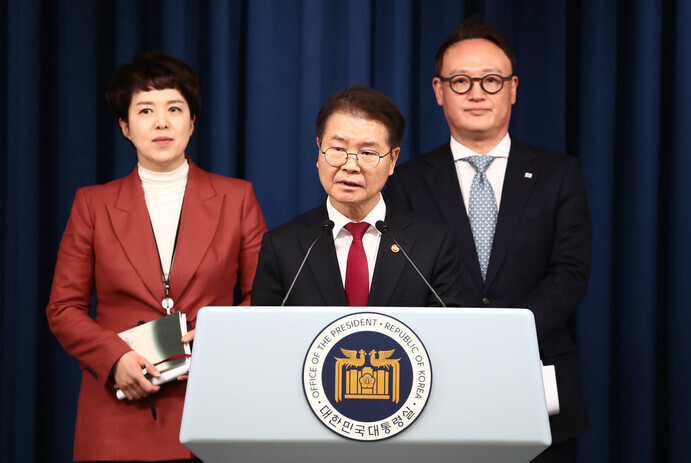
395	248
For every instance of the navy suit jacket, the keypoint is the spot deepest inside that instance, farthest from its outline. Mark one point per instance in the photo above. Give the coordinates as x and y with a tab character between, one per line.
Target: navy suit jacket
394	282
540	255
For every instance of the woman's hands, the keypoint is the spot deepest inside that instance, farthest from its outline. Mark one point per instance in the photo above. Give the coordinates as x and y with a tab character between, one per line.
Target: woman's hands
127	373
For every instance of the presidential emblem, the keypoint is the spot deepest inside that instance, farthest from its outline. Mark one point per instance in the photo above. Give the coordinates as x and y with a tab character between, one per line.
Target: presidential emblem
367	376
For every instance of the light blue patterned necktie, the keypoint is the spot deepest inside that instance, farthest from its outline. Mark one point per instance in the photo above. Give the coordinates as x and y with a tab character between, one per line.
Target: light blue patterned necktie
482	210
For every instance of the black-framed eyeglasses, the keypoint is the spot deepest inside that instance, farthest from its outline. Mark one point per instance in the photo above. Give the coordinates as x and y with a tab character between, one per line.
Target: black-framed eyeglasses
462	83
366	159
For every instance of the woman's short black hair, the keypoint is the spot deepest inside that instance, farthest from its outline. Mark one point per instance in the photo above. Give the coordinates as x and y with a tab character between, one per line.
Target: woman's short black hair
152	70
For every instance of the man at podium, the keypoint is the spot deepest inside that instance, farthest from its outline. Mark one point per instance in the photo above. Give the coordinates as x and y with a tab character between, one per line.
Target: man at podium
353	249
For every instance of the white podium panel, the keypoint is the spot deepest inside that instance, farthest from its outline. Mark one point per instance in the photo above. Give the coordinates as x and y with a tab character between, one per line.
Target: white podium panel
245	400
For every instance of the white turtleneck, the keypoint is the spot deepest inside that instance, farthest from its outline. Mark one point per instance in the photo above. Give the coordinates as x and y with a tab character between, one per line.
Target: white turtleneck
164	192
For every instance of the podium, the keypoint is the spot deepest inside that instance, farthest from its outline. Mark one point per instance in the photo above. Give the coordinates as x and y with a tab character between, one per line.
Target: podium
246	398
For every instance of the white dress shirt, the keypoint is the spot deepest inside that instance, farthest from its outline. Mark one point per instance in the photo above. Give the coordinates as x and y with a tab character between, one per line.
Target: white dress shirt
343	238
495	172
164	192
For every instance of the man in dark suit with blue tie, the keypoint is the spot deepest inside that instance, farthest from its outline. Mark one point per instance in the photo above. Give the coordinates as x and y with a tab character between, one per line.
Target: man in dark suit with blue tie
359	131
519	212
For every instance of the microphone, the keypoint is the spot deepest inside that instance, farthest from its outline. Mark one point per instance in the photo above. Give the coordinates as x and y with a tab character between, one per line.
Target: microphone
384	230
325	228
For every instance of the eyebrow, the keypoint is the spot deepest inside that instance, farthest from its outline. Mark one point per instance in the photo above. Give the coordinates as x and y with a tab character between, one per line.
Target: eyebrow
465	71
337	137
167	102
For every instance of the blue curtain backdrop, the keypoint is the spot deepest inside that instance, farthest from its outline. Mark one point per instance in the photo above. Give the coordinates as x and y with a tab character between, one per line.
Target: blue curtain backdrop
605	81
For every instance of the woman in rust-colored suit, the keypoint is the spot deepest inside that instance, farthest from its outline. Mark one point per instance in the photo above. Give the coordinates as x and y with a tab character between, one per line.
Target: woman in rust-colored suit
168	221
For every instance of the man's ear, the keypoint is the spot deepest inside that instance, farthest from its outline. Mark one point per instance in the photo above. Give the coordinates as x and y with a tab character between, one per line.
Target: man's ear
394	158
514	89
319	147
437	85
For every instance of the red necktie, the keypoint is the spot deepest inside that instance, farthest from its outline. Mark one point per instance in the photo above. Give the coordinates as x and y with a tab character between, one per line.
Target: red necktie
357	273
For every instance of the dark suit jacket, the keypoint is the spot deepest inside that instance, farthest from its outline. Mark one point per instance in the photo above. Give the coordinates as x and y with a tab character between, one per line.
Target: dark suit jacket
108	245
540	256
394	282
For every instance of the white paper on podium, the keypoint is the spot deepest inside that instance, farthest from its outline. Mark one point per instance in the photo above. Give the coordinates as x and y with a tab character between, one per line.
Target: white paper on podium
549	378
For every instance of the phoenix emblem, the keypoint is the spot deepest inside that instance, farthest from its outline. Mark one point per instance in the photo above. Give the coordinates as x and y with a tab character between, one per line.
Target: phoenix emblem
378	380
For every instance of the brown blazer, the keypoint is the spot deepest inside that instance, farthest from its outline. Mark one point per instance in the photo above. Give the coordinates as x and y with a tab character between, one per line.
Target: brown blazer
109	246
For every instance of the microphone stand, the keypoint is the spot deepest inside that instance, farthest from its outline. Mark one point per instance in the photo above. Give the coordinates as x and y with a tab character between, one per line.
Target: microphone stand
384	230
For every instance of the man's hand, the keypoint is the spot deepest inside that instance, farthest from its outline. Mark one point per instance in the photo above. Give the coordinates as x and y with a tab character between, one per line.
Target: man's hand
127	373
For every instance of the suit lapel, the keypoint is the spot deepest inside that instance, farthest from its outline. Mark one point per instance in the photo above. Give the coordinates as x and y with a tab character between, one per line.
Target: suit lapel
442	181
322	262
517	188
389	265
201	214
130	220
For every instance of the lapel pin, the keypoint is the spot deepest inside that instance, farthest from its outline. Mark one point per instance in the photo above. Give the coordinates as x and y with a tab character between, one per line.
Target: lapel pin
395	248
528	175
